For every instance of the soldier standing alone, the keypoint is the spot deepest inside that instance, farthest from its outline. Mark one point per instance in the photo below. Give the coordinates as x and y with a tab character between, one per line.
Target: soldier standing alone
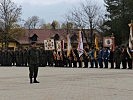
33	62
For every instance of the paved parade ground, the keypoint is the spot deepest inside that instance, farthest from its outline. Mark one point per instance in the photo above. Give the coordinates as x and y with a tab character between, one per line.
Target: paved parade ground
66	84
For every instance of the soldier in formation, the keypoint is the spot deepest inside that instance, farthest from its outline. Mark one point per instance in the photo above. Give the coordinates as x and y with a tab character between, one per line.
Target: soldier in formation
91	57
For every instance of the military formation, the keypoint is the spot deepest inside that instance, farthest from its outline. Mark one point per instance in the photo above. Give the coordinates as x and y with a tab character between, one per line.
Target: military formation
91	57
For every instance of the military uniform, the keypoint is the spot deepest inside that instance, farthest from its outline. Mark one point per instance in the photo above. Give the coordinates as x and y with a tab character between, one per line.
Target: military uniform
100	58
105	57
33	56
124	58
49	57
117	57
86	57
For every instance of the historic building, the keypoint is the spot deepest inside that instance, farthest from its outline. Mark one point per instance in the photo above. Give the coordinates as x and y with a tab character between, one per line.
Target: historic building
39	35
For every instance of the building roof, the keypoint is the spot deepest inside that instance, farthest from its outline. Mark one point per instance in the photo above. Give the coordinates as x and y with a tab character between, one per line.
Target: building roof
44	34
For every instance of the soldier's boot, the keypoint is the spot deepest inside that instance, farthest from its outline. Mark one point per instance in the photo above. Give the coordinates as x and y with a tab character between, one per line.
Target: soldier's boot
30	80
35	81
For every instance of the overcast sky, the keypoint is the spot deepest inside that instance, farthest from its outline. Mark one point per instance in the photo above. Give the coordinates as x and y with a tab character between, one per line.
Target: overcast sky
48	10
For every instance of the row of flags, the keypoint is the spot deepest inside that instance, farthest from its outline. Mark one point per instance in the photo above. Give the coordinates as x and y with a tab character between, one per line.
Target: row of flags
59	45
51	45
107	42
80	48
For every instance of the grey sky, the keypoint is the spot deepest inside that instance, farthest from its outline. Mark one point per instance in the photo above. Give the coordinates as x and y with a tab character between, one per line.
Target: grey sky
48	10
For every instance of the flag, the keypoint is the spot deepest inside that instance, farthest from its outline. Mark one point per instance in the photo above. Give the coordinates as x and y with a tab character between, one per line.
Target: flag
62	44
49	44
131	36
96	42
130	42
69	47
80	45
58	46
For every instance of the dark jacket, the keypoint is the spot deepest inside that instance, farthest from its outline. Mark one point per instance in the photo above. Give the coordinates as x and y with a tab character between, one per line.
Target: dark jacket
33	56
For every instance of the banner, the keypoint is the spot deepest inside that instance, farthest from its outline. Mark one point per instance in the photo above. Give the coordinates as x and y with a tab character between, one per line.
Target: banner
80	45
109	42
49	44
131	36
59	45
69	47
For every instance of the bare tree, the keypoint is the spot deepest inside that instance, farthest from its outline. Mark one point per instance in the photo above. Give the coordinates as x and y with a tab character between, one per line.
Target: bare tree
9	15
31	22
88	16
76	16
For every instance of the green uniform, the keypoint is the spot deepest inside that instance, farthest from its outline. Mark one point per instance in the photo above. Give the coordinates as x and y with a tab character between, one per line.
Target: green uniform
33	56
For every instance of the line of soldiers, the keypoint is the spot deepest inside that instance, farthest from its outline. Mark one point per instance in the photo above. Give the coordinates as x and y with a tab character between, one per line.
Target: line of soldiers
19	57
92	58
96	58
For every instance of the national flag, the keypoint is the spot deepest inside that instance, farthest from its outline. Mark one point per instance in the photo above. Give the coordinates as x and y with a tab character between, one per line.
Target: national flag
80	44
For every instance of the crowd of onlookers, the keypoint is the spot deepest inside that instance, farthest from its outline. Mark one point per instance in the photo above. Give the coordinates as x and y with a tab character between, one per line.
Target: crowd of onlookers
91	57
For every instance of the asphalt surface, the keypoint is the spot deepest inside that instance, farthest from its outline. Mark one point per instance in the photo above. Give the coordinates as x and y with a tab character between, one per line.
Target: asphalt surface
66	84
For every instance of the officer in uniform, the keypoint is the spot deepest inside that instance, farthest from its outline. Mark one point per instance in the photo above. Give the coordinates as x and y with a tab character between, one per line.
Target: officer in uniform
33	56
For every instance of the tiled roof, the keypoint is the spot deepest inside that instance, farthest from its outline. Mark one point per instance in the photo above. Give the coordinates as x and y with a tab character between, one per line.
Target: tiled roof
44	34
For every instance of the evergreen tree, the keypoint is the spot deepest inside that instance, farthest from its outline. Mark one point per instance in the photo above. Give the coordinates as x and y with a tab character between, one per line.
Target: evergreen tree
119	14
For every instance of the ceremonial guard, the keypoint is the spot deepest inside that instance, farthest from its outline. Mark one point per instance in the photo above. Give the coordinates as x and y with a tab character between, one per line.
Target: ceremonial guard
3	60
100	57
96	57
117	57
25	57
75	57
111	58
49	55
70	59
44	58
13	57
106	57
93	57
55	58
124	57
86	57
80	61
59	59
65	59
9	58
